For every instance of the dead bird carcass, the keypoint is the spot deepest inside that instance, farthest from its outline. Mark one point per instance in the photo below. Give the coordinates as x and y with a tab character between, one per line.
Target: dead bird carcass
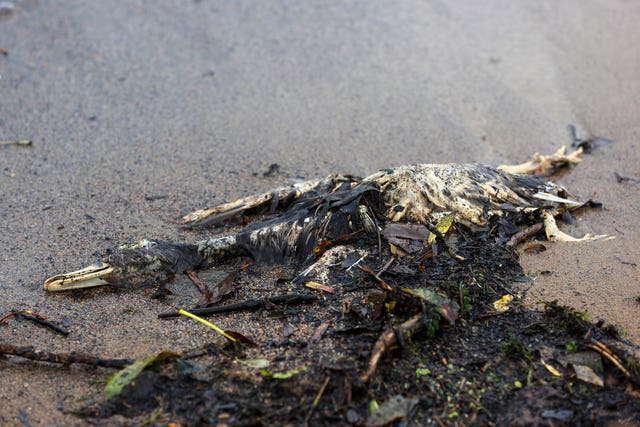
310	213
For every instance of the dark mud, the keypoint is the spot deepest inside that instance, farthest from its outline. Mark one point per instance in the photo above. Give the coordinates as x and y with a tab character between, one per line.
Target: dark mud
515	367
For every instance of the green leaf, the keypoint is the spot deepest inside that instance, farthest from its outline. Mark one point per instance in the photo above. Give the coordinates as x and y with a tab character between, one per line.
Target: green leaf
373	406
280	375
421	372
125	376
255	363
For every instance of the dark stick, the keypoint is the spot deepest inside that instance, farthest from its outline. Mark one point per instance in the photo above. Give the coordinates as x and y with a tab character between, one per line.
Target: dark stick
384	285
62	358
23	142
36	318
46	323
207	295
525	233
251	304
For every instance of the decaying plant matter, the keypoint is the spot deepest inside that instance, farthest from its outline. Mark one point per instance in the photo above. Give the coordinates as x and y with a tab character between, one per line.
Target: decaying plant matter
416	258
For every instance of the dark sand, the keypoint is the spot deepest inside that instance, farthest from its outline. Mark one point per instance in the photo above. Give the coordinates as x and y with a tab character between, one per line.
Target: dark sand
193	100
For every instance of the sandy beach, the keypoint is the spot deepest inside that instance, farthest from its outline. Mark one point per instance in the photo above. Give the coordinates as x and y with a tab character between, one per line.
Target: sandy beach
142	112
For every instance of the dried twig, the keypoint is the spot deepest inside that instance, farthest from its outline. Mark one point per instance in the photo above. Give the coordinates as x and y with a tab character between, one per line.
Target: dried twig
251	304
319	332
207	295
46	323
384	285
388	339
317	399
355	264
524	234
599	347
621	179
23	142
386	266
36	318
28	352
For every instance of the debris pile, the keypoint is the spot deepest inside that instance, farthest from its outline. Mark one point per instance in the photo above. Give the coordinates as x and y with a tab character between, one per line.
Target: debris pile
396	298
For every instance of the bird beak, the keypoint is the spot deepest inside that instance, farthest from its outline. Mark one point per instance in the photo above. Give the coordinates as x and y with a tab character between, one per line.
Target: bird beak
87	277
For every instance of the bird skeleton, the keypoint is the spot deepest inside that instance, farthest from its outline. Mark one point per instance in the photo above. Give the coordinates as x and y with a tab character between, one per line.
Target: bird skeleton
310	212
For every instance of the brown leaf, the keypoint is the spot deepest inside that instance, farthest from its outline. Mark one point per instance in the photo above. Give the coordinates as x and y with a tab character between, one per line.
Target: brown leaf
405	231
535	248
376	299
408	237
223	287
407	246
320	330
238	336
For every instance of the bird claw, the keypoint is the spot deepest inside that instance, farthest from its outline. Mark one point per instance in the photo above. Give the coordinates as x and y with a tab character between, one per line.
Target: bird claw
554	234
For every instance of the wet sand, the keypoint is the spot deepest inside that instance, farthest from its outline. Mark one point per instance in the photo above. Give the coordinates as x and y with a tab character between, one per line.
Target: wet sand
192	101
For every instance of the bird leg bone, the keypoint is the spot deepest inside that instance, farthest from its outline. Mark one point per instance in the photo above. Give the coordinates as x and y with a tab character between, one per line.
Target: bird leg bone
541	165
554	234
223	212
